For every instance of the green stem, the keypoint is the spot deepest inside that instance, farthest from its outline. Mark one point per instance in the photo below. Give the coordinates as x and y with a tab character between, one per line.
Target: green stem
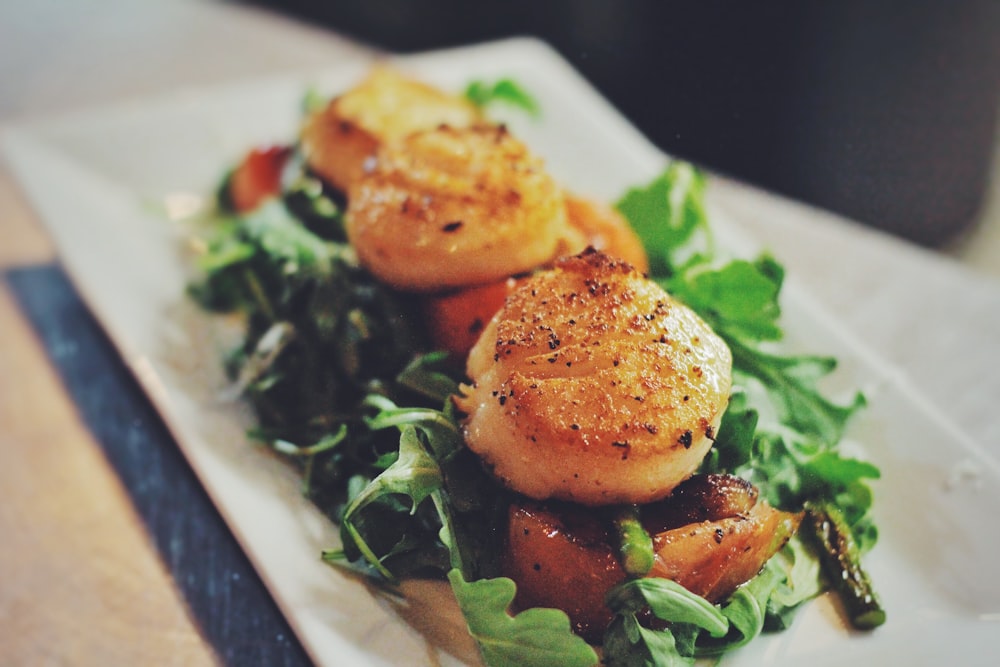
258	294
841	559
635	544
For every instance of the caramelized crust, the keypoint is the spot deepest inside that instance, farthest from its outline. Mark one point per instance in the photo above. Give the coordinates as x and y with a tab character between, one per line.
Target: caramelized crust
383	108
713	558
593	385
453	207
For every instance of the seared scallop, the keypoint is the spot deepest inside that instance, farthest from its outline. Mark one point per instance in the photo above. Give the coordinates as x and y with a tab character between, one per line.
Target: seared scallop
454	207
593	385
385	107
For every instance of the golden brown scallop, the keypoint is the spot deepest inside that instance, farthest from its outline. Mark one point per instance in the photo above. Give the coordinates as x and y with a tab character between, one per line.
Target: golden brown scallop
593	385
385	107
453	207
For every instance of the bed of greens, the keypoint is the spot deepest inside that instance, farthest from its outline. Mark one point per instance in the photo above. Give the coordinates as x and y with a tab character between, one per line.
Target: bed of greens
345	384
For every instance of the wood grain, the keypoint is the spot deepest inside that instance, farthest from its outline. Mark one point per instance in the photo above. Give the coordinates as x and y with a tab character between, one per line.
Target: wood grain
80	584
22	239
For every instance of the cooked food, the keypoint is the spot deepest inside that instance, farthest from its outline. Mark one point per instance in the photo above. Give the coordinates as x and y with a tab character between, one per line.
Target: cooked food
711	535
452	207
584	454
593	385
257	178
341	139
713	557
456	319
605	229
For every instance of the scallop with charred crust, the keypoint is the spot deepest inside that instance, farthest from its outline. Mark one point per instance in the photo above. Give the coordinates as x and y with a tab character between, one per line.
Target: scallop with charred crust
384	108
593	385
453	207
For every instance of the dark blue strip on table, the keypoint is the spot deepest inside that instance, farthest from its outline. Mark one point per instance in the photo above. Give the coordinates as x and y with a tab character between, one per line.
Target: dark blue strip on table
226	597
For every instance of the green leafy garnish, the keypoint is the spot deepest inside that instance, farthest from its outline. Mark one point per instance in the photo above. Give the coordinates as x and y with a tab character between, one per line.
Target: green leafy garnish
740	301
791	470
669	216
628	642
414	474
745	610
532	638
741	297
503	91
429	446
668	601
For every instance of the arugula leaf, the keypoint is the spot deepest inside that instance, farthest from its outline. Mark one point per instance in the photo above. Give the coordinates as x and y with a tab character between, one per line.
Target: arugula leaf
790	470
627	643
740	302
533	638
426	375
745	609
736	441
255	263
326	444
695	628
803	581
504	91
669	601
318	207
669	214
438	430
414	474
791	383
286	242
740	299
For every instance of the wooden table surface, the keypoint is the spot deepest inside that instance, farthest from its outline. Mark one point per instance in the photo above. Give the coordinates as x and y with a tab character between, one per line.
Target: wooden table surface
81	582
85	576
91	571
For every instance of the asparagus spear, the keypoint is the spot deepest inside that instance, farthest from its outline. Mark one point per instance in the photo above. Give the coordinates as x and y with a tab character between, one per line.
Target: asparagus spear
841	560
635	544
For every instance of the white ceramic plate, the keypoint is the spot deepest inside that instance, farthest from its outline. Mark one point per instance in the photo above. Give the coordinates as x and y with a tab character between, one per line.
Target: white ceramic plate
101	182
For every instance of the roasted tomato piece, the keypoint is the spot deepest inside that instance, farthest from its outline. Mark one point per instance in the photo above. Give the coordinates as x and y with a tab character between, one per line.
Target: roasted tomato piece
562	557
701	498
713	558
711	535
455	319
605	229
257	177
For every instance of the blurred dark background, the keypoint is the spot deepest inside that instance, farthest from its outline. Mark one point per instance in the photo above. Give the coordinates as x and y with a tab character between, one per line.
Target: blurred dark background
882	111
